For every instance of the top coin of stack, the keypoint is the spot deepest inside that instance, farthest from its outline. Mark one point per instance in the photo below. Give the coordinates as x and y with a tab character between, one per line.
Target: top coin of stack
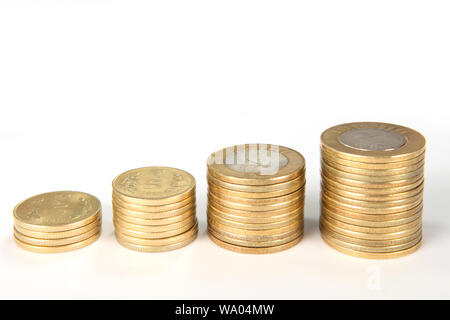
57	221
154	209
256	198
372	189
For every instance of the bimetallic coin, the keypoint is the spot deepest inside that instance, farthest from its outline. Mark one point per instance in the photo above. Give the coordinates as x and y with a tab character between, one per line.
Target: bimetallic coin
369	255
248	207
57	249
374	172
373	243
255	219
295	183
154	186
373	204
378	230
226	238
369	223
368	197
324	224
372	142
372	179
359	248
373	166
299	194
254	195
363	188
255	164
57	211
263	250
358	209
55	242
373	217
61	234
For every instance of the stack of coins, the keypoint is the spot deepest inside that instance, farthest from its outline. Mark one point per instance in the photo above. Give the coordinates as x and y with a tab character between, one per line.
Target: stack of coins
154	209
57	221
372	189
256	198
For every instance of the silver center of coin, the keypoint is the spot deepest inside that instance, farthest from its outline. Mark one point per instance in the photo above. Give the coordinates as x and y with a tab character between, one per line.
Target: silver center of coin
372	139
264	162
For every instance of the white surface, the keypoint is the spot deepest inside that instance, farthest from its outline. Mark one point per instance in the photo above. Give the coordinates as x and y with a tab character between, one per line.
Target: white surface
92	89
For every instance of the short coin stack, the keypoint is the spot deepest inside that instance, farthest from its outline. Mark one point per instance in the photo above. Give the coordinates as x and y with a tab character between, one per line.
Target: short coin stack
256	198
57	221
372	189
154	209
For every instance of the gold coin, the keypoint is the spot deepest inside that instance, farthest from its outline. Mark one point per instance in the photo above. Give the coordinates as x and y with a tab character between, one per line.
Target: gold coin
158	242
373	166
254	250
370	223
295	226
373	217
163	215
359	248
368	255
254	195
58	235
358	209
57	211
256	238
256	220
373	204
374	172
372	142
154	186
246	207
154	235
190	220
221	236
55	242
256	164
362	188
154	222
392	179
299	194
295	184
164	209
58	249
369	197
368	236
271	214
373	243
378	230
142	248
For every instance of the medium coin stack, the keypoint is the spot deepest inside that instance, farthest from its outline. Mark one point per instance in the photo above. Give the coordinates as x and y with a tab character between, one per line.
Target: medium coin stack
256	198
154	209
57	221
372	189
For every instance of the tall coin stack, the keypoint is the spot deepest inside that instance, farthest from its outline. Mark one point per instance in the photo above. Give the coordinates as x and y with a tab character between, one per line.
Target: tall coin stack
154	209
256	198
372	189
57	221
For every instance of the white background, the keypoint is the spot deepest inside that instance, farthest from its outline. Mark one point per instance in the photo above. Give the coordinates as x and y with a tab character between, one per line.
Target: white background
89	89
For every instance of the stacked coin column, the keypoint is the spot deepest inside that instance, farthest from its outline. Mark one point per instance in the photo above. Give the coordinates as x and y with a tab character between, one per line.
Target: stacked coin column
256	198
154	209
372	189
57	221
